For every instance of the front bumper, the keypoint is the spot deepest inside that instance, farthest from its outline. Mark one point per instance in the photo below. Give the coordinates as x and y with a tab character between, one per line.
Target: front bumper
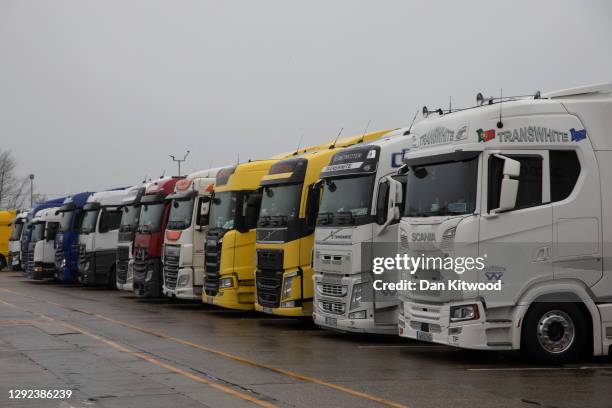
188	291
431	323
238	298
128	285
147	278
43	271
300	311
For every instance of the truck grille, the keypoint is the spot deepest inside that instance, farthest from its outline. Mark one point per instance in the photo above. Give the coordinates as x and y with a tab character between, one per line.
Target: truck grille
331	307
83	257
140	264
123	260
171	266
31	261
212	260
59	257
332	289
269	277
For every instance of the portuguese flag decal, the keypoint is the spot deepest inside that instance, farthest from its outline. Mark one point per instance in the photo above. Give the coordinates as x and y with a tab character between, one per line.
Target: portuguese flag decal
485	135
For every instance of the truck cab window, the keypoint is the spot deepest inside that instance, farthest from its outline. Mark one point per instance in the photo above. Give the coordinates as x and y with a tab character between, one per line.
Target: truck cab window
564	172
110	220
530	181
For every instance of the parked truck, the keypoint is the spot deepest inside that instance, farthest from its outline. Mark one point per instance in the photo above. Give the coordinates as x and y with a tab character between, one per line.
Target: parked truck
357	222
130	207
6	229
14	245
45	226
185	234
27	234
149	239
98	237
285	230
67	238
523	185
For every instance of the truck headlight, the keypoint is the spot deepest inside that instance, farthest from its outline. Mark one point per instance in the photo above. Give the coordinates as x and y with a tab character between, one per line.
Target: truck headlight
183	280
358	315
290	303
287	284
464	312
149	275
357	296
226	283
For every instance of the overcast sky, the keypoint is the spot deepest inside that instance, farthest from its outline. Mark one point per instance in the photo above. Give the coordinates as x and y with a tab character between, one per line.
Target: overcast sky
96	94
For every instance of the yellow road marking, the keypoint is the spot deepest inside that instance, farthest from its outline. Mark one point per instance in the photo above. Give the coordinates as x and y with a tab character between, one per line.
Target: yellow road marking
237	358
155	361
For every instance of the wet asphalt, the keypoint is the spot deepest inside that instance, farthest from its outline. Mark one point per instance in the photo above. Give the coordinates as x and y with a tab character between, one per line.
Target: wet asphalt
113	350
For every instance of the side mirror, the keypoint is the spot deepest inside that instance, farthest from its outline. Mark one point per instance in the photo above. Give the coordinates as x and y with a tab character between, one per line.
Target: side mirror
509	187
389	201
403	169
312	204
204	210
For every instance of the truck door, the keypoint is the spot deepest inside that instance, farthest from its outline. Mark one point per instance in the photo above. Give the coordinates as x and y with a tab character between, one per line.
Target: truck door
516	244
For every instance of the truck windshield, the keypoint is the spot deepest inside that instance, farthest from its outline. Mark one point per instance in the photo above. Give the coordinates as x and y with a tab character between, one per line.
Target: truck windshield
280	204
346	199
151	217
89	221
442	189
16	234
180	214
65	221
129	218
38	231
223	210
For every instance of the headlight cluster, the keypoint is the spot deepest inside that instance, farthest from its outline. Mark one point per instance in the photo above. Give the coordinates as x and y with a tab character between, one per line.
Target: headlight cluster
149	275
183	280
226	283
357	296
464	313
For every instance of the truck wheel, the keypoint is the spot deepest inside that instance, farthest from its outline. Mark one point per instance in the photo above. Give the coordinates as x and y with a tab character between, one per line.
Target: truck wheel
554	333
112	279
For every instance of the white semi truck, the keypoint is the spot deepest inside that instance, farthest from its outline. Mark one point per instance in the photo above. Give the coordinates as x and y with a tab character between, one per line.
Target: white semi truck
185	235
14	246
358	220
45	226
523	185
130	207
98	237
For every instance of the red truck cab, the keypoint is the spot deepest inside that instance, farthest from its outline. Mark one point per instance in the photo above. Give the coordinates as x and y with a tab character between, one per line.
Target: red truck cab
149	238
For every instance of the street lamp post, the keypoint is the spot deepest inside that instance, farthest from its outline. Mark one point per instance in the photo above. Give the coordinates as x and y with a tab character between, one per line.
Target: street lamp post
179	161
31	190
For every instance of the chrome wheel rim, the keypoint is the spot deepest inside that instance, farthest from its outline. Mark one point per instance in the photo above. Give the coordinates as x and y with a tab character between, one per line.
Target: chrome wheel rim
556	331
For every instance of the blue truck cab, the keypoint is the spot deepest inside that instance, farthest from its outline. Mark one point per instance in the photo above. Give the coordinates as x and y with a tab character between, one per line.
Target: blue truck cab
67	239
27	252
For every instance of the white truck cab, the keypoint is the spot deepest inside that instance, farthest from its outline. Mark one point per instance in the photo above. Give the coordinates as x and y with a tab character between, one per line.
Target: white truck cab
98	237
45	226
358	220
14	246
521	184
130	212
183	257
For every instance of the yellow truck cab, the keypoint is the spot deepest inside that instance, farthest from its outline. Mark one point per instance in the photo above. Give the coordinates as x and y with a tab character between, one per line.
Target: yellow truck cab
285	229
6	228
229	248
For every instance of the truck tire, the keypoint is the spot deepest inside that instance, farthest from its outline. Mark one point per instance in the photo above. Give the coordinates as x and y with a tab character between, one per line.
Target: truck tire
554	333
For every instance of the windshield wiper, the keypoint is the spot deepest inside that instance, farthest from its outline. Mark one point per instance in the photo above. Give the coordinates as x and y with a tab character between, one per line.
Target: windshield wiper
279	220
345	217
264	220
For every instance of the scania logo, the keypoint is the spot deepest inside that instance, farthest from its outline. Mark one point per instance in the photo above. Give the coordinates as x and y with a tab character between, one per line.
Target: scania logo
423	236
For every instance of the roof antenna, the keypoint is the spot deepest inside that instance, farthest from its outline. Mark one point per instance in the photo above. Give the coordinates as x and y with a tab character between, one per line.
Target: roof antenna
163	174
365	131
450	104
299	144
238	159
145	179
411	123
500	124
336	140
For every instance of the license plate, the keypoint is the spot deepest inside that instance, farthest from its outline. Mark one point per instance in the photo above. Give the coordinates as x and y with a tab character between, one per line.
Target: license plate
331	321
424	336
267	310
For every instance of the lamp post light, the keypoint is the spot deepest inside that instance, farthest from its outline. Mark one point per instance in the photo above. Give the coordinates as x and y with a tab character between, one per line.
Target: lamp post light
179	161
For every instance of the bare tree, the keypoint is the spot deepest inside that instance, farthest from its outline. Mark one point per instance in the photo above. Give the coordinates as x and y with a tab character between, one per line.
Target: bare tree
14	190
